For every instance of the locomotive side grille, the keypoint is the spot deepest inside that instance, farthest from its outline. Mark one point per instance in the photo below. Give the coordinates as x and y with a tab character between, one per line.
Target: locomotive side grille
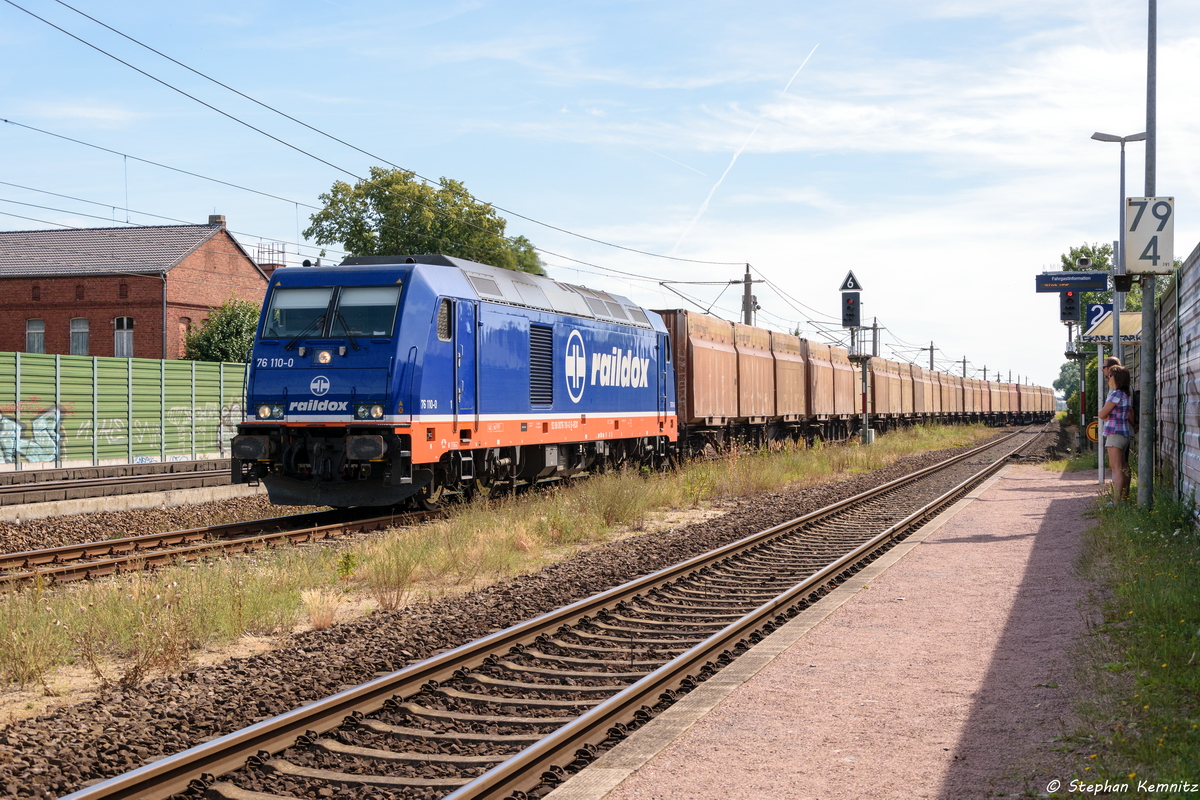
541	365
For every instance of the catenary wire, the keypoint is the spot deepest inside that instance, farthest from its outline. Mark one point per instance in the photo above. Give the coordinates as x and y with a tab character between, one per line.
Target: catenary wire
359	149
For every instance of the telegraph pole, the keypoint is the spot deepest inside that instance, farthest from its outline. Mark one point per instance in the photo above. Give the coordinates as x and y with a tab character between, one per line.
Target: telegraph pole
1145	493
749	301
930	349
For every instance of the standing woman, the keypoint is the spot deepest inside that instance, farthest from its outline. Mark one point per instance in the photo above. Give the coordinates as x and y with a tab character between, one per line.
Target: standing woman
1118	430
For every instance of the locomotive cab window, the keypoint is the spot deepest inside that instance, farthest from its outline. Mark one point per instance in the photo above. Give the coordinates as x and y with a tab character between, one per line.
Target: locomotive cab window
297	312
444	321
366	310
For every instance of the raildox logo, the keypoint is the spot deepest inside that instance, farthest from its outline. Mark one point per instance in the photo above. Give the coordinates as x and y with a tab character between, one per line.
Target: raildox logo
620	369
319	385
576	371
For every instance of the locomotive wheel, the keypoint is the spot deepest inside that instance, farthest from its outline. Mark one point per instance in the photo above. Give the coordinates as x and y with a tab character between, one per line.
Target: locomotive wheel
480	488
429	497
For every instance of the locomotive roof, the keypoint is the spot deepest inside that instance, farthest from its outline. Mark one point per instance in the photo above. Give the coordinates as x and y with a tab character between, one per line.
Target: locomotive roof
509	287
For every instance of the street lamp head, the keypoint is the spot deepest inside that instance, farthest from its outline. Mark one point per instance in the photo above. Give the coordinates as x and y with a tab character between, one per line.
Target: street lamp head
1108	137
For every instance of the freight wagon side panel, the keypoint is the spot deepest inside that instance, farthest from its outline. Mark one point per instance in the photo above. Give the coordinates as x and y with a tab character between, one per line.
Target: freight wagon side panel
820	379
895	389
907	390
791	382
921	394
755	372
705	366
846	390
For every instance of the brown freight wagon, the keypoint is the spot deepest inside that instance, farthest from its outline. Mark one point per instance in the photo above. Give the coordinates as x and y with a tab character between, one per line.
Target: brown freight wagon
706	391
922	391
985	397
907	398
820	379
755	373
935	392
878	387
958	394
1014	400
847	391
791	377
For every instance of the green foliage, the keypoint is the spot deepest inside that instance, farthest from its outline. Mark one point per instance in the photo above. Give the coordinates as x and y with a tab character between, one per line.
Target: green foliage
395	213
1067	381
227	334
1102	259
1142	715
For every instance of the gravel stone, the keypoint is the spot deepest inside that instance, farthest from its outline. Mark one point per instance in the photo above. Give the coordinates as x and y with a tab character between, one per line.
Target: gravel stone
124	728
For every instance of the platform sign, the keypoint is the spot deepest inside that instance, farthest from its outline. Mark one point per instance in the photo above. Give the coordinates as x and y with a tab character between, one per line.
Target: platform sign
1096	312
1150	235
1092	281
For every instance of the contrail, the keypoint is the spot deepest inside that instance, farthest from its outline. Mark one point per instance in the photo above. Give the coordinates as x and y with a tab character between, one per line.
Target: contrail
732	161
673	161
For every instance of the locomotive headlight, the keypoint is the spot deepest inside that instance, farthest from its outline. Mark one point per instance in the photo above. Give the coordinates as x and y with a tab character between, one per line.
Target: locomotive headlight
276	412
366	411
270	412
324	356
264	412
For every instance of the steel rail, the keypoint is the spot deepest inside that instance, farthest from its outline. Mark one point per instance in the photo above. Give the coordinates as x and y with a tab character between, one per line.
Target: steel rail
526	770
68	561
117	480
196	766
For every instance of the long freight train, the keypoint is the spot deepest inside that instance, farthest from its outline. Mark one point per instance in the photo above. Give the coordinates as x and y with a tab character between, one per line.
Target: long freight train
397	378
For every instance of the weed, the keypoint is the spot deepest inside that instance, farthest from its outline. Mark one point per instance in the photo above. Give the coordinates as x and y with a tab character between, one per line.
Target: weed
1143	708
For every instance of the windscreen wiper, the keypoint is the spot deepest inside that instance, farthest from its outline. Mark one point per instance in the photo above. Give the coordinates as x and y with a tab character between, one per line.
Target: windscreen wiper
346	327
307	330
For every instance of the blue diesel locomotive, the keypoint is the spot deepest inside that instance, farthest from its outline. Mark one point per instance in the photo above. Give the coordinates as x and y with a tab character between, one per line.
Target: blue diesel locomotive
393	378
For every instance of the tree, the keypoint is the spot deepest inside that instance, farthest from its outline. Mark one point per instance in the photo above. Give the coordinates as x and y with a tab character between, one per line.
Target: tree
394	213
1068	379
226	335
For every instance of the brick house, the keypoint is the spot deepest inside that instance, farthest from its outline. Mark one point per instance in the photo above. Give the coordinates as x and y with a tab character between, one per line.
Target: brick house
118	291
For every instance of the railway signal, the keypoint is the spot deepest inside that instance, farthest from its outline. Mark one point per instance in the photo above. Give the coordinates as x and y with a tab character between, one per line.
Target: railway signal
1068	306
851	310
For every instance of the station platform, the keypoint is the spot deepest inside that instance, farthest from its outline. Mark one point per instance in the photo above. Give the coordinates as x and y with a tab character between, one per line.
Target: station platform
939	671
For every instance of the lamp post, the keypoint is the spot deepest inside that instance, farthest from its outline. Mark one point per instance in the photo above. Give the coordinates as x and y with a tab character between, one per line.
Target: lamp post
1119	260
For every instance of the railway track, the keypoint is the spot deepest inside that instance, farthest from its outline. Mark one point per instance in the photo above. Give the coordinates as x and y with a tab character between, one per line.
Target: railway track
19	487
97	559
516	712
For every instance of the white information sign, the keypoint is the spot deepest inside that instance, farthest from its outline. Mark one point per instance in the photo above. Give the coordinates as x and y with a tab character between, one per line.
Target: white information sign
1150	235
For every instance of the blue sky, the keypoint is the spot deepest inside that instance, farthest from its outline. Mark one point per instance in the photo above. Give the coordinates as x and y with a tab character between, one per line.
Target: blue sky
939	149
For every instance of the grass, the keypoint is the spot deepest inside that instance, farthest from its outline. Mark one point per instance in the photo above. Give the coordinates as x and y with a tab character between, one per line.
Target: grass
1141	715
130	627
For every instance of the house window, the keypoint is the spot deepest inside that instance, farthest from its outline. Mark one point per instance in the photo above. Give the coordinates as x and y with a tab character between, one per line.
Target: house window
123	337
79	336
37	293
123	290
79	291
35	336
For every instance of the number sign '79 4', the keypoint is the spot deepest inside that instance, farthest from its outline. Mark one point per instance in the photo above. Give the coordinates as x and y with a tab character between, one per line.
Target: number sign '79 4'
1150	235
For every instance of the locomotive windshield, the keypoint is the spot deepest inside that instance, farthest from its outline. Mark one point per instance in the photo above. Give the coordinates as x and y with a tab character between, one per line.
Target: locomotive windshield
296	312
366	310
358	311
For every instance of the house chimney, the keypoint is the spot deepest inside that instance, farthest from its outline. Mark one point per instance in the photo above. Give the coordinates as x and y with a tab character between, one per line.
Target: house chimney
216	219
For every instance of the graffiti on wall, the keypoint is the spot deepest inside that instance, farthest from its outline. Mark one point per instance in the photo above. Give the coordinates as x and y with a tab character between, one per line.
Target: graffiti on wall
31	440
214	424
